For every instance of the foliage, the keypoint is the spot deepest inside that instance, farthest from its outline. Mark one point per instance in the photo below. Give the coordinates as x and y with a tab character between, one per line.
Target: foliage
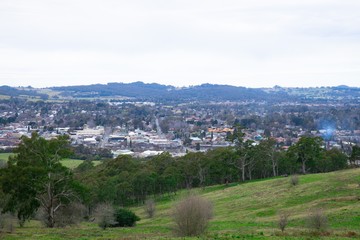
125	218
3	164
126	180
35	178
85	166
355	154
242	211
307	151
191	216
332	160
71	214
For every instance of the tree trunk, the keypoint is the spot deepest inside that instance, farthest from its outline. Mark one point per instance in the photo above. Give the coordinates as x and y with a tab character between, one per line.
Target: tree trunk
51	220
274	168
243	172
303	167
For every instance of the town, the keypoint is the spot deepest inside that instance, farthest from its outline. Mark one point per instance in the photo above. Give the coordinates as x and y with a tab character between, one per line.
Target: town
109	127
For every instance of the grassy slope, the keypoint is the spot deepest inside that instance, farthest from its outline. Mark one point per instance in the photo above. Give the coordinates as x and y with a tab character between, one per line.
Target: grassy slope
67	162
5	156
245	211
73	163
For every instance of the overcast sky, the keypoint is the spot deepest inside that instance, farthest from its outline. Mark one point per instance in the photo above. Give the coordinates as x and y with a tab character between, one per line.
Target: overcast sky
253	43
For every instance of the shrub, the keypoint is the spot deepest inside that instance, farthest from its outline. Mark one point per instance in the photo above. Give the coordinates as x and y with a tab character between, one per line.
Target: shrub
72	214
150	208
125	218
104	215
191	216
68	215
283	220
294	180
317	220
7	222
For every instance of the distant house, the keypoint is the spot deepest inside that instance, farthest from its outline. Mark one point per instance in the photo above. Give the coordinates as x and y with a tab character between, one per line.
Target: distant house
122	152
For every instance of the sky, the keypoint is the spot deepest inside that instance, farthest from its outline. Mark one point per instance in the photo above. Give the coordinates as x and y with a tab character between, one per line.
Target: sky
257	43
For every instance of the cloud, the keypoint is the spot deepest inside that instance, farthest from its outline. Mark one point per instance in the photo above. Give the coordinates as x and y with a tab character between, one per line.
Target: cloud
251	43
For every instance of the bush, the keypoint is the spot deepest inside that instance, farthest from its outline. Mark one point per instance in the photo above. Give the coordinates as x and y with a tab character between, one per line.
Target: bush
72	214
125	218
283	220
191	216
294	180
68	215
104	215
7	222
150	208
317	220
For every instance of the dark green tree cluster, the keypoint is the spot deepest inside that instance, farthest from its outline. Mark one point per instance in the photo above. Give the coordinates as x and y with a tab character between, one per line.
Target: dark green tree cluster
34	178
126	180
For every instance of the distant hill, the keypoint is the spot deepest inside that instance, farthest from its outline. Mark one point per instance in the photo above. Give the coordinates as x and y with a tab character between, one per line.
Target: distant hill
205	92
14	92
158	92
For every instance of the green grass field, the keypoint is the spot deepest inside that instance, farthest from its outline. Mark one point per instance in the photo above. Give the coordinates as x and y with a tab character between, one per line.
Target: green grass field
243	211
67	162
5	156
73	163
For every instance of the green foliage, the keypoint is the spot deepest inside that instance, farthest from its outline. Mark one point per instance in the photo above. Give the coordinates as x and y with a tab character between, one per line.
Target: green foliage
355	154
127	181
332	160
241	211
35	177
125	218
307	151
85	166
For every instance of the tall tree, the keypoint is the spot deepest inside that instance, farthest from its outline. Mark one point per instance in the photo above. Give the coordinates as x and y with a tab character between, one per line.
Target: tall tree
35	178
307	151
242	149
355	154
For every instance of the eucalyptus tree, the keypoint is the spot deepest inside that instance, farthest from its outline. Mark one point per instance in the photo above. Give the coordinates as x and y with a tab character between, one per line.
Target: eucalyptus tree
307	151
35	178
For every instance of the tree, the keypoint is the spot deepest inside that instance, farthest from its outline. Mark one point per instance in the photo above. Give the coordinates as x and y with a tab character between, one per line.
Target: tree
125	218
35	178
242	149
307	151
333	160
355	154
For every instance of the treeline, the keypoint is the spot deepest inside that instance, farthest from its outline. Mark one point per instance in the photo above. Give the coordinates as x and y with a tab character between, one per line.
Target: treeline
127	180
34	179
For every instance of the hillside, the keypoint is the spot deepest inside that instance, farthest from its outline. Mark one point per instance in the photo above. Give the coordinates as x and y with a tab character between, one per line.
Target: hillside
245	211
158	92
166	93
14	92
